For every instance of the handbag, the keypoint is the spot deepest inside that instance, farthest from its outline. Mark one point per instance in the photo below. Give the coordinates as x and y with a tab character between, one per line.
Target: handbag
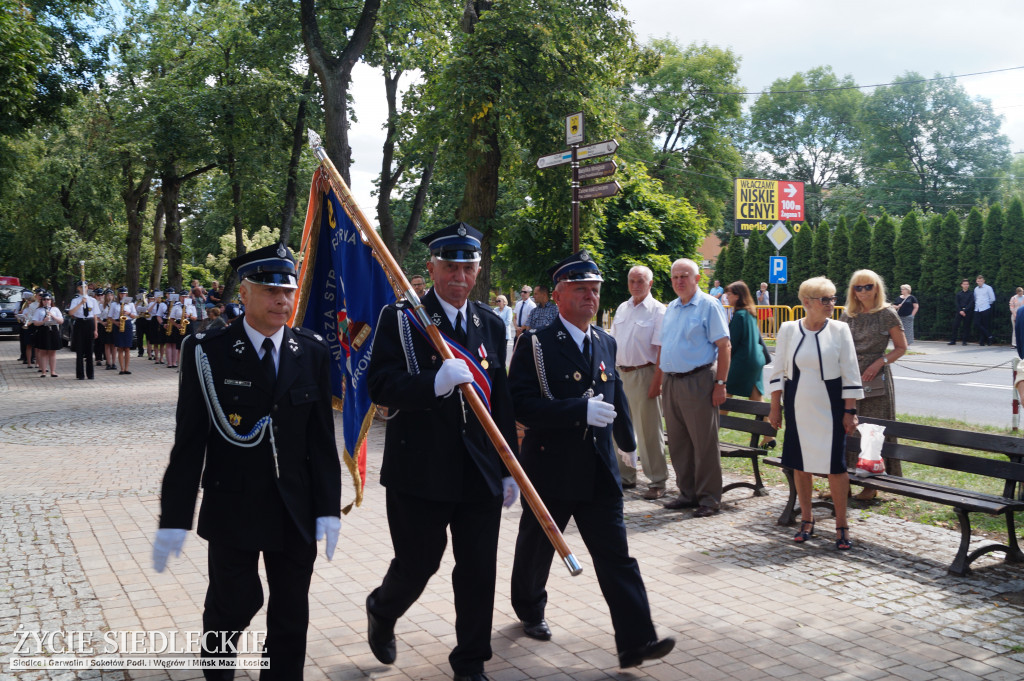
764	349
877	386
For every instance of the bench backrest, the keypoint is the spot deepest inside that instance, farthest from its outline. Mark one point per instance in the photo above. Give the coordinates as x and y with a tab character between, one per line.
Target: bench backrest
1012	470
757	427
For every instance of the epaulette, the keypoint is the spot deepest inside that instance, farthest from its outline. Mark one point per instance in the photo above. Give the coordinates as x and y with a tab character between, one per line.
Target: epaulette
204	336
302	331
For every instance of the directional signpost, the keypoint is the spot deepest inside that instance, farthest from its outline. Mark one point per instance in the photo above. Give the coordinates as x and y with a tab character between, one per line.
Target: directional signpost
576	153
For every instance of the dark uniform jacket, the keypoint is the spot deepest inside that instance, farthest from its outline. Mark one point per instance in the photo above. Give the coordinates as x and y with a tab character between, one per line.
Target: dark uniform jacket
245	504
435	447
563	456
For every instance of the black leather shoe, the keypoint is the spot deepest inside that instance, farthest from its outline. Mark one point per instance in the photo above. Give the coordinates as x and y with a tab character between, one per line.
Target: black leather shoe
475	676
704	512
651	651
628	485
380	635
538	630
952	342
679	503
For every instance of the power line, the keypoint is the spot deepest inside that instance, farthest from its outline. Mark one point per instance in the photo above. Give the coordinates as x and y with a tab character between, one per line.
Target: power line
861	87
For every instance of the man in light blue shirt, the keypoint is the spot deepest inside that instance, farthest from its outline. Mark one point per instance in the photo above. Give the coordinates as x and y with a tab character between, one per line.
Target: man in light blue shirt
694	363
984	296
717	292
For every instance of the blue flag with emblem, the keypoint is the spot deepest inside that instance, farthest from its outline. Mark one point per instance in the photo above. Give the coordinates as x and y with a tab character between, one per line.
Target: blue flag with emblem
341	293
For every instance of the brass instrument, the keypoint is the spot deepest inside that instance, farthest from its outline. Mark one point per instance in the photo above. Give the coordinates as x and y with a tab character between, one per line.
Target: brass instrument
121	320
184	323
108	325
169	325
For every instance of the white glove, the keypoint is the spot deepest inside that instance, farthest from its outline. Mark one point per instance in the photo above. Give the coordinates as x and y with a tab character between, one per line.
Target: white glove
510	490
599	412
452	373
628	458
168	540
328	527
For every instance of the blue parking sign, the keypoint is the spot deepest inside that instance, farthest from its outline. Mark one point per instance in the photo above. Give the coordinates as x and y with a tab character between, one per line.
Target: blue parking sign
777	269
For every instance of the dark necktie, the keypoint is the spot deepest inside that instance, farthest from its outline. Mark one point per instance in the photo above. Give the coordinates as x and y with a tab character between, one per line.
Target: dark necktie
586	348
268	360
460	335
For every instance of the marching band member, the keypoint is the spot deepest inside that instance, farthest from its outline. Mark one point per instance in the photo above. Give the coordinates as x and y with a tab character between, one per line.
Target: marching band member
159	333
29	305
99	343
141	327
47	320
175	315
111	310
84	310
123	331
148	324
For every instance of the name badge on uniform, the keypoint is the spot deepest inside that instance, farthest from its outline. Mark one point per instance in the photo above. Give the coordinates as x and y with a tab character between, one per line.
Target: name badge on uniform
483	353
241	384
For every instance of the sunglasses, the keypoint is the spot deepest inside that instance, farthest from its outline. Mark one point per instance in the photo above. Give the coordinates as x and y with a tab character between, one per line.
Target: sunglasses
828	300
864	287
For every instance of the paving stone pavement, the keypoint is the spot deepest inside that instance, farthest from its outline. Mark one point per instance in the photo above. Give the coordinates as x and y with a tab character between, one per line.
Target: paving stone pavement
80	468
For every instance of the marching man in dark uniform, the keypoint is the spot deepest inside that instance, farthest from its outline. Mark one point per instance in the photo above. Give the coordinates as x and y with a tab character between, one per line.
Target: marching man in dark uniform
440	469
255	426
567	394
84	309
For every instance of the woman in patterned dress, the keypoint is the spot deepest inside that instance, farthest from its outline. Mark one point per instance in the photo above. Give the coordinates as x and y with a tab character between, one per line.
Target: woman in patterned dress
874	323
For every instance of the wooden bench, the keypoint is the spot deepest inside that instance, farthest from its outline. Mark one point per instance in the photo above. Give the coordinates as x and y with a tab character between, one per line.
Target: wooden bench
758	427
913	447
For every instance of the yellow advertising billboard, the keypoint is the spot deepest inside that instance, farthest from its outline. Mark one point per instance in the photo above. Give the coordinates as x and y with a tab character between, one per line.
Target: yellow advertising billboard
762	203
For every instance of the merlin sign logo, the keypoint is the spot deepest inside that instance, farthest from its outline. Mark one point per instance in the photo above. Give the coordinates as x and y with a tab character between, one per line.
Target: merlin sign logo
762	203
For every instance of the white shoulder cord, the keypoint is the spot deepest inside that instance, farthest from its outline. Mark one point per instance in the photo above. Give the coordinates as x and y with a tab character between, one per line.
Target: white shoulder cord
538	361
220	421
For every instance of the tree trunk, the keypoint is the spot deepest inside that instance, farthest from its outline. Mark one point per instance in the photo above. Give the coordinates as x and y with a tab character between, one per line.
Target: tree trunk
170	183
335	74
291	193
159	247
389	176
405	243
483	161
136	197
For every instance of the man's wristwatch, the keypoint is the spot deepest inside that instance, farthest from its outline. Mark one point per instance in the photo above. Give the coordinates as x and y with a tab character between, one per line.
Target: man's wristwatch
851	411
718	381
885	360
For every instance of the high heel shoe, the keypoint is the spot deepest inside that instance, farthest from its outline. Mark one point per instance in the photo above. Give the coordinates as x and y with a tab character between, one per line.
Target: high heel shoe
804	534
843	542
769	444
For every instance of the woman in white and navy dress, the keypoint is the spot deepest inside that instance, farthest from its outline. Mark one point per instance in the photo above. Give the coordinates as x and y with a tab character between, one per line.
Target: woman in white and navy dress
815	376
47	320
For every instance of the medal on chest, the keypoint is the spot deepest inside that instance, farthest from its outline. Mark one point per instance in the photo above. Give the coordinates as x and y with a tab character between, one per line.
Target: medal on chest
482	351
604	376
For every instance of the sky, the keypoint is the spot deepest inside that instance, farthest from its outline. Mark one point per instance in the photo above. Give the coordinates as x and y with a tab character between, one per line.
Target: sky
872	41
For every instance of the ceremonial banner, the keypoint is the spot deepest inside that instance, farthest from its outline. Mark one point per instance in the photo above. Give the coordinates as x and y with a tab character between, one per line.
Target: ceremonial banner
341	293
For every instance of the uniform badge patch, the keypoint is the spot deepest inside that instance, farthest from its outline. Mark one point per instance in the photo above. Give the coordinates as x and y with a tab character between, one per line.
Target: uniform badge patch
200	336
577	375
234	419
476	321
318	337
436	318
293	345
239	347
560	335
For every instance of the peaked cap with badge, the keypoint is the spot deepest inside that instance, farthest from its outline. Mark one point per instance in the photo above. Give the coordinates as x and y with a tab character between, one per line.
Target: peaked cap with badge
459	242
579	266
270	266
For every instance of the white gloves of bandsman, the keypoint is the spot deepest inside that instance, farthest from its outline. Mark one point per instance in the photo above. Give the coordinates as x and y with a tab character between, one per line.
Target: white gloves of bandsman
599	412
452	373
170	540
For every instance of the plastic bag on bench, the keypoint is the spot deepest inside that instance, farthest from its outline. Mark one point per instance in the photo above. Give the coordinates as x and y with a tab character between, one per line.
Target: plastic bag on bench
871	439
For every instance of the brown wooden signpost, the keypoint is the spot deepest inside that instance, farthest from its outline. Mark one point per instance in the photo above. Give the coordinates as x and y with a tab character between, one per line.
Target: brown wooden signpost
576	153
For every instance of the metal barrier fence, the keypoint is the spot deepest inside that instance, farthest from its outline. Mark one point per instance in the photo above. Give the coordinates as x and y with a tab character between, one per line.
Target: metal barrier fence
771	317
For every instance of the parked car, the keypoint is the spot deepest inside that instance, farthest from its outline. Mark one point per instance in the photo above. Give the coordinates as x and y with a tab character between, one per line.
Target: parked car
10	303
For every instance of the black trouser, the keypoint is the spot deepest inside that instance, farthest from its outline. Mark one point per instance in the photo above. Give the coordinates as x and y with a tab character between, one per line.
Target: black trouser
983	320
235	595
962	323
601	526
419	535
81	340
141	331
24	338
